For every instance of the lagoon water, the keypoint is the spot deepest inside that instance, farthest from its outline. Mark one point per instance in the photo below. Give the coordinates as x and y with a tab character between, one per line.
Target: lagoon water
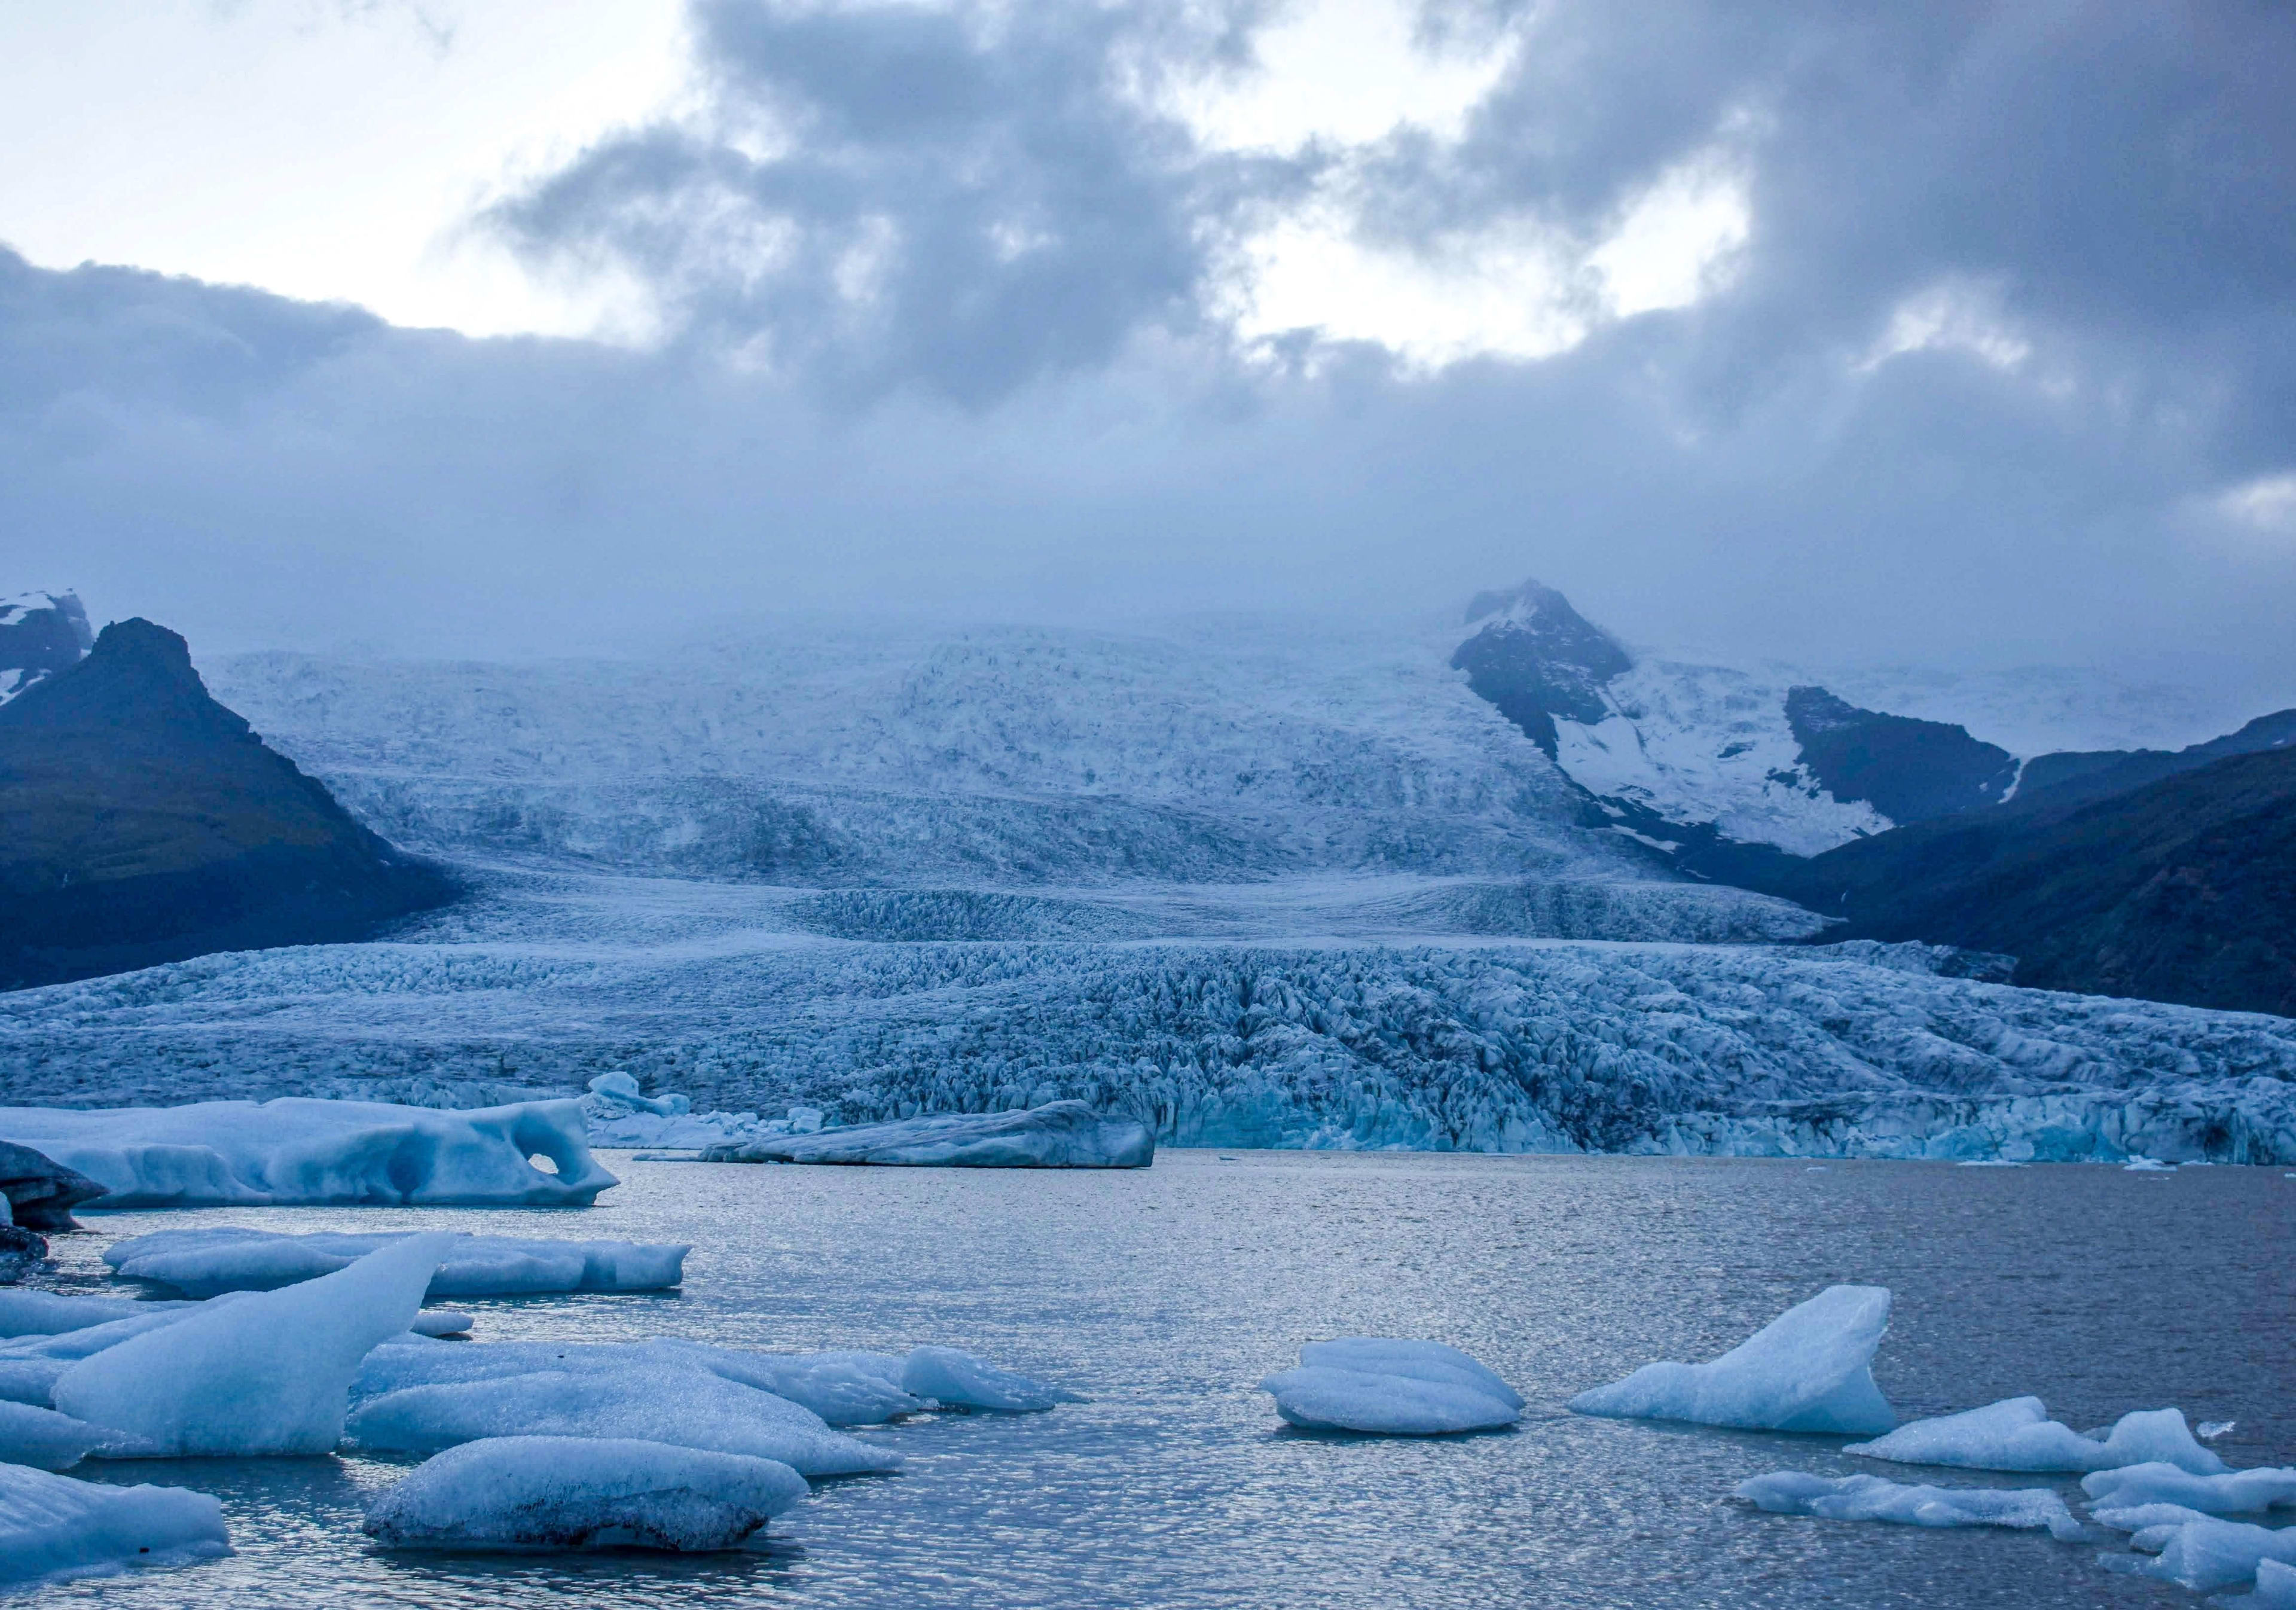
1165	1295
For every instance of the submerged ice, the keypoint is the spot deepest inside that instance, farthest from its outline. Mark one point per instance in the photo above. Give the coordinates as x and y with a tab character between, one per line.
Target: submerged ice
1810	1370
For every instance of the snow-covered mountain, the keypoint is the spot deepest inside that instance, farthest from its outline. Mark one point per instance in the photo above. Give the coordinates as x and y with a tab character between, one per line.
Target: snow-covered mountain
40	635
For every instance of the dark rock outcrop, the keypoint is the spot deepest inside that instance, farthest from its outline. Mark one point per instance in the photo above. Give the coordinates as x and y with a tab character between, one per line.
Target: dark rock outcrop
142	822
1535	658
41	1192
1908	769
2072	776
40	635
20	1250
2178	891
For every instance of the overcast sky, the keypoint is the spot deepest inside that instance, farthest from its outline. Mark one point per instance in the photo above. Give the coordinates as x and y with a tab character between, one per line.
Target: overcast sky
1955	333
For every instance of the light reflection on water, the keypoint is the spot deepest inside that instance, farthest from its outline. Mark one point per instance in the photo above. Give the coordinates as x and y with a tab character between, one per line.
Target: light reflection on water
1165	1295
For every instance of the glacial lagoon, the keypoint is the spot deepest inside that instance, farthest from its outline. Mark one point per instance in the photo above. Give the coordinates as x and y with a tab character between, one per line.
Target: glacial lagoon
1163	1295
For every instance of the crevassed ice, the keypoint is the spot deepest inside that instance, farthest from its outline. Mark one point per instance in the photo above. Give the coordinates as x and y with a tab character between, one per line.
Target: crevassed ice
1810	1370
2017	1433
582	1492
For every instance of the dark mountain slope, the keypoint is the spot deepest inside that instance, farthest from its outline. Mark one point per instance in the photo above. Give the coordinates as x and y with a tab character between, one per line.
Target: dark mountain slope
1908	769
2183	889
142	822
1537	658
2061	779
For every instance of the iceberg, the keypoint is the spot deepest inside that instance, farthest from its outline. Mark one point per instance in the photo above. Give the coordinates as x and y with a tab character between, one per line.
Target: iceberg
268	1373
1058	1135
44	1439
1864	1498
2205	1553
843	1388
581	1492
958	1380
1809	1369
299	1149
689	1407
2229	1492
204	1262
39	1193
2276	1586
47	1314
1388	1386
2017	1433
52	1527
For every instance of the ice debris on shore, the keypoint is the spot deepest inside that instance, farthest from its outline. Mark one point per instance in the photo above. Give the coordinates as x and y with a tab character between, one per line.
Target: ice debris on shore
266	1372
299	1149
54	1527
582	1492
1057	1134
1864	1498
1810	1370
1389	1387
206	1261
2017	1433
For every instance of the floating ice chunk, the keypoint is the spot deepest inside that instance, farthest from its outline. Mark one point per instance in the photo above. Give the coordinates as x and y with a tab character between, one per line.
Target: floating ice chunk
843	1388
2208	1430
688	1408
203	1262
52	1527
2230	1492
441	1322
43	1438
1809	1369
2276	1586
2147	1166
580	1492
1322	1399
1413	1361
45	1314
2151	1522
1059	1135
265	1374
2017	1433
958	1380
302	1150
1864	1498
2208	1553
619	1089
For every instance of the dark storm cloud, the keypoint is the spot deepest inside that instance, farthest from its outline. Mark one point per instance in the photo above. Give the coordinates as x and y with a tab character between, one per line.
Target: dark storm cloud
971	197
1037	413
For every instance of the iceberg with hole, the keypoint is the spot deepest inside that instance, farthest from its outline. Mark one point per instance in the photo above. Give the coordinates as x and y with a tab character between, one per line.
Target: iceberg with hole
266	1373
843	1388
531	1493
204	1262
52	1526
299	1149
2017	1433
44	1439
1058	1135
2228	1492
1810	1370
649	1402
1864	1498
1390	1386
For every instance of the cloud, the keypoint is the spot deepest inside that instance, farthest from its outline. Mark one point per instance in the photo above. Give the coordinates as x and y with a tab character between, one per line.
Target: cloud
1915	333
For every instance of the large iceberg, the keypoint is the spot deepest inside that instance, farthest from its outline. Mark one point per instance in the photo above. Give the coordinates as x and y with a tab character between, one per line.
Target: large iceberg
1388	1386
2017	1433
203	1262
2229	1492
651	1401
300	1150
1809	1369
261	1374
1864	1498
582	1492
52	1527
1058	1135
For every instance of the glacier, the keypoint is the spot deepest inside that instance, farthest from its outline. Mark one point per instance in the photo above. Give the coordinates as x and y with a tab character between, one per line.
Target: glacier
296	1150
523	1493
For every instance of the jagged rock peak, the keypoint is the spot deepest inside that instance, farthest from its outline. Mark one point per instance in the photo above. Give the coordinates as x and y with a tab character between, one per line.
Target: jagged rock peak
1535	658
137	679
40	635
